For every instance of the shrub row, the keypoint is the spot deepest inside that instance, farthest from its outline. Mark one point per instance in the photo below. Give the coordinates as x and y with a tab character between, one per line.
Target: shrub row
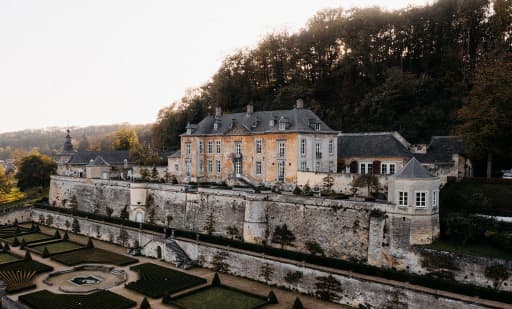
362	268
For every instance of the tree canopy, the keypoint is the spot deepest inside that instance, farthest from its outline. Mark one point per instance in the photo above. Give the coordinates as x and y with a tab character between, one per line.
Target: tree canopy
363	69
34	171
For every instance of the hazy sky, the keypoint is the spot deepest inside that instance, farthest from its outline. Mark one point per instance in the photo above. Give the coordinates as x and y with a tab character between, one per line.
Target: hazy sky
75	63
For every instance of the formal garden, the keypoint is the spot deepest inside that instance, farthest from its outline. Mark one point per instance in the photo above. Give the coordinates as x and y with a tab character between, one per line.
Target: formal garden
101	299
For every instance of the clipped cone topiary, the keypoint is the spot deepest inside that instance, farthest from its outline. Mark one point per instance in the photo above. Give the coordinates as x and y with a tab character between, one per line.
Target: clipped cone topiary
66	236
271	298
145	304
23	243
297	304
45	253
37	229
15	221
216	280
7	248
89	243
28	256
15	242
57	234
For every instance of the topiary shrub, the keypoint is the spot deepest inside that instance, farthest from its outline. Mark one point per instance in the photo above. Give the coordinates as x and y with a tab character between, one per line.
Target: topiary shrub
216	280
271	298
15	242
57	235
145	304
28	257
66	236
297	304
23	243
89	243
46	253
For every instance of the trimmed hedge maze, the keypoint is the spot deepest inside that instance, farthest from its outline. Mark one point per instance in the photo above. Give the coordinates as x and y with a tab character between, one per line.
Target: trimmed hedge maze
95	256
102	299
157	281
18	275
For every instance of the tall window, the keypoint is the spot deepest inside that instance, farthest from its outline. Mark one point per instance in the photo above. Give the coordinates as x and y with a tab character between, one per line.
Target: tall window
303	147
201	147
402	199
384	169
238	147
281	149
187	150
209	166
217	166
434	198
392	168
366	168
317	126
387	168
303	166
280	170
210	150
331	146
201	167
217	146
258	146
318	153
258	167
362	168
421	199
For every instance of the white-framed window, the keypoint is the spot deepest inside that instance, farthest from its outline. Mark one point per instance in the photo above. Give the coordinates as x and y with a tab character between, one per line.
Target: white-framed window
217	166
201	146
258	168
366	168
238	147
384	169
282	126
215	125
259	148
209	166
201	167
280	170
217	146
403	199
210	147
331	166
303	166
391	168
187	150
317	166
435	194
318	151
420	199
317	126
281	149
331	146
302	147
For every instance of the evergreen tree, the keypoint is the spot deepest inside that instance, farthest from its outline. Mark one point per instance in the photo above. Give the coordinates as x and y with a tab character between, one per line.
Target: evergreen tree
75	226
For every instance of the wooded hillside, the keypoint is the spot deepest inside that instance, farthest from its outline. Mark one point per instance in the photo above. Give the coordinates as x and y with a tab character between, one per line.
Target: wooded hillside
411	70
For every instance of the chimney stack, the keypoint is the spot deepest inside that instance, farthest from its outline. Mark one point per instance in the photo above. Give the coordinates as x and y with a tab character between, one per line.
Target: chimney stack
299	103
218	111
250	108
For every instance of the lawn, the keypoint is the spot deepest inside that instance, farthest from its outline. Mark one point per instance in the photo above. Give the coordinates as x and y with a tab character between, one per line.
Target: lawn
57	247
102	299
93	255
6	258
156	281
32	237
18	275
471	249
219	297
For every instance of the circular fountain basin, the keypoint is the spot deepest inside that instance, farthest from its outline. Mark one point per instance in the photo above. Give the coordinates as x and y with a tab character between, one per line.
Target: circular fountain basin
86	278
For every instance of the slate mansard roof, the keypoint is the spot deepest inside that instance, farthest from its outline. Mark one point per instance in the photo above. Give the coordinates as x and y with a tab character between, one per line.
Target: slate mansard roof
412	170
441	149
99	157
378	144
300	120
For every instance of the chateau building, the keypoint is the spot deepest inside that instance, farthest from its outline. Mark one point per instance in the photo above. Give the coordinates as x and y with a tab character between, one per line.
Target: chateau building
263	147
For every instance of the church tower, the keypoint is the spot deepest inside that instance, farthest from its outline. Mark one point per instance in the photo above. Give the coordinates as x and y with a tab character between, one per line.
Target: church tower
65	155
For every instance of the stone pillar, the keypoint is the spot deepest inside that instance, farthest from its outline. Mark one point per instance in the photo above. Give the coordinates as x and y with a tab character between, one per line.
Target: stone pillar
255	221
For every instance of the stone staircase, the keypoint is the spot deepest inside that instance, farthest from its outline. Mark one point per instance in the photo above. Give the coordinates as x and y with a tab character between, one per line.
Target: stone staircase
182	259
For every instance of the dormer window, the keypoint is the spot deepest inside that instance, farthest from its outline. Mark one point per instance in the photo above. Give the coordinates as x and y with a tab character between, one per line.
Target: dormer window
271	122
282	126
215	125
317	126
